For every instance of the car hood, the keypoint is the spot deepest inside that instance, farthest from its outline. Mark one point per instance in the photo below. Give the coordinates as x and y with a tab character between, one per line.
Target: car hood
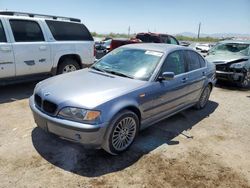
85	88
224	58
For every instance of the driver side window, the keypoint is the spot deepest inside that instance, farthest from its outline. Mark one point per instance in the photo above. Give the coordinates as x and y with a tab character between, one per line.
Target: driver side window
174	63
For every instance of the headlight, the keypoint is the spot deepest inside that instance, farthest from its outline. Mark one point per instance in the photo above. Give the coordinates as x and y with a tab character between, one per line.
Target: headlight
79	114
238	65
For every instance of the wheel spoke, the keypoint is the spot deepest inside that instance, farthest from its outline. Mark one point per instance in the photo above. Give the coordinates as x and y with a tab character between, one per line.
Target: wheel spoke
124	133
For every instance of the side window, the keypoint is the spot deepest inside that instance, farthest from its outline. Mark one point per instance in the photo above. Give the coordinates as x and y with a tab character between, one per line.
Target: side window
202	61
164	39
68	31
173	41
192	60
2	33
26	31
174	63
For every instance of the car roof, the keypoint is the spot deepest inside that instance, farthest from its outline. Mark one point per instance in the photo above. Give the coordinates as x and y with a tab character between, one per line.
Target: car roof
155	47
235	41
154	34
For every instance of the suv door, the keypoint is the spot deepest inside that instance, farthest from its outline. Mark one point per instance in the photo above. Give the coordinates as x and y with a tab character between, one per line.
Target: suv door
168	96
196	73
31	51
7	66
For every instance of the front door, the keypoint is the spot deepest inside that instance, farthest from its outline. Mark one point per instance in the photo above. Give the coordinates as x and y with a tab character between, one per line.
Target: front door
31	51
165	96
7	66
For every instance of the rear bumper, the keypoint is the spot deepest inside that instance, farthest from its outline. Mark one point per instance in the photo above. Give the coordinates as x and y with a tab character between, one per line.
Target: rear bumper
230	76
88	135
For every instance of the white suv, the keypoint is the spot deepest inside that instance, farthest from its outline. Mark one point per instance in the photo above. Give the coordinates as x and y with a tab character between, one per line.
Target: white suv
34	45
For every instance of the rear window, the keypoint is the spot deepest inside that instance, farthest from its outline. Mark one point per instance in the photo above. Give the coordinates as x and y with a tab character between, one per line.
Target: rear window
193	60
68	31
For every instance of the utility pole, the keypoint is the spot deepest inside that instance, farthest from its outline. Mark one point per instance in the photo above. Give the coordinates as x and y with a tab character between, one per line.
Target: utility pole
128	31
199	30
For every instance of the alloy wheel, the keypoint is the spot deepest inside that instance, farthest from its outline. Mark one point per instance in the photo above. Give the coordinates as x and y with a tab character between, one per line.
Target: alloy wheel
124	133
69	68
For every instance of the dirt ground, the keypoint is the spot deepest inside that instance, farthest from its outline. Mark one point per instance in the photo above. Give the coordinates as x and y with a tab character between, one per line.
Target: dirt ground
207	148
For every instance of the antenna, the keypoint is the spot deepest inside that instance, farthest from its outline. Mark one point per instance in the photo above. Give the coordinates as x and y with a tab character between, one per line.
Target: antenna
199	30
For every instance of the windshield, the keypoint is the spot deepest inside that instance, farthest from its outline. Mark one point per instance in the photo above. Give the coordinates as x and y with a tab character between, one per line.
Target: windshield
132	63
234	48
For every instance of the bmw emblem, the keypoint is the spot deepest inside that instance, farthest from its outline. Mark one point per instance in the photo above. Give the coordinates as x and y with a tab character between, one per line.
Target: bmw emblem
46	94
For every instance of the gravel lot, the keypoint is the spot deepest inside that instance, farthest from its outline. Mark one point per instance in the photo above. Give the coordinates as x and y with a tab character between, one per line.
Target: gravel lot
207	148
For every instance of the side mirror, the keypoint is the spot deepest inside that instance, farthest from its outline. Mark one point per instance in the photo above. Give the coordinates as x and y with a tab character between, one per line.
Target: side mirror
166	76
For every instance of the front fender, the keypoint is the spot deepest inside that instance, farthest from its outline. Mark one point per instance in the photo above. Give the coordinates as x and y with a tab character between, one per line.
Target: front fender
111	108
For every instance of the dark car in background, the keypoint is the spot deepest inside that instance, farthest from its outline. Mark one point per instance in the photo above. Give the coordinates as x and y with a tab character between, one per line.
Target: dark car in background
157	38
145	38
232	62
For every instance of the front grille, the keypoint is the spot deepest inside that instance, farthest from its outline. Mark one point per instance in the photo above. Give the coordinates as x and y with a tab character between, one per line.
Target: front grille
45	105
38	100
49	107
222	67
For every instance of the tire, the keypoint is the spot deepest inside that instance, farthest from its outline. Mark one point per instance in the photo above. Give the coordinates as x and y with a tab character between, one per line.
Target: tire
203	100
68	65
245	83
120	137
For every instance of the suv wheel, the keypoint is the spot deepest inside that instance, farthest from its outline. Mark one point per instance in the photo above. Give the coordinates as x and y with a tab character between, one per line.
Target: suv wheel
68	65
122	132
246	80
203	98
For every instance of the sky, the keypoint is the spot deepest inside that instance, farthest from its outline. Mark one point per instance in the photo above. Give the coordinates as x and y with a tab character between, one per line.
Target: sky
163	16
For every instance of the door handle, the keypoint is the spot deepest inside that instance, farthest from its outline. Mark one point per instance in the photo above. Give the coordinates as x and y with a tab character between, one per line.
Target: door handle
30	62
184	80
5	48
42	48
203	73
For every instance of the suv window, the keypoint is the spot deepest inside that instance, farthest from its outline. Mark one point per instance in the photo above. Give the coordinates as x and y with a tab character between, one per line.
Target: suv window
2	33
174	63
172	40
148	38
26	31
164	39
192	60
68	31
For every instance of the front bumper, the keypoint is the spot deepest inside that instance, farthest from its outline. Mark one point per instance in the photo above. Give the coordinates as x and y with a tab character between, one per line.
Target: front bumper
231	76
86	134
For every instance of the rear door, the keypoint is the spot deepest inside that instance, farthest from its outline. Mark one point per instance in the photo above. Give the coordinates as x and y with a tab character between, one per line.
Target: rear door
196	74
31	51
7	66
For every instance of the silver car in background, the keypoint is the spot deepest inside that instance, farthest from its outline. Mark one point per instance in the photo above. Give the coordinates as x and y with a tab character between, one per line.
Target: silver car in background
129	89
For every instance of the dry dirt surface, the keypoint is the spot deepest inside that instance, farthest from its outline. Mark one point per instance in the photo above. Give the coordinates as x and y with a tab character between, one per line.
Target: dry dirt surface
207	148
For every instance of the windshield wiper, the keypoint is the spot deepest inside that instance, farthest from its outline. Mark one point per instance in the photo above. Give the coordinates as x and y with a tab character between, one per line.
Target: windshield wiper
119	74
98	69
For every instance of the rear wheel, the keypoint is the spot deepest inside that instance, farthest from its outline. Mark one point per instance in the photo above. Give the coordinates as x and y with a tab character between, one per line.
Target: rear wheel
68	65
122	132
204	98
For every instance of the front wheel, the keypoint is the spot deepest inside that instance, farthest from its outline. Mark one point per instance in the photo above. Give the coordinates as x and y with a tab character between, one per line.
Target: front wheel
246	80
204	98
122	132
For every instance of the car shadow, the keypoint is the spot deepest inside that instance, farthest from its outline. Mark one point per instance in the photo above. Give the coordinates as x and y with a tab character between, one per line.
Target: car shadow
75	158
10	93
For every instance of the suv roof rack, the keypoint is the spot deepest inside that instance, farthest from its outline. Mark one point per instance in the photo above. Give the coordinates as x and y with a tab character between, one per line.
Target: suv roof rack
32	15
